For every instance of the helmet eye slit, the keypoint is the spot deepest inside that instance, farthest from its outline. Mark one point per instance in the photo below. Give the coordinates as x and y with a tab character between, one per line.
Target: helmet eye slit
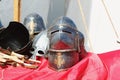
67	31
62	31
54	31
40	52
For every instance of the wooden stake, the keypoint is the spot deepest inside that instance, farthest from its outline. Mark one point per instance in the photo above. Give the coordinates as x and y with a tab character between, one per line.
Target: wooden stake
17	6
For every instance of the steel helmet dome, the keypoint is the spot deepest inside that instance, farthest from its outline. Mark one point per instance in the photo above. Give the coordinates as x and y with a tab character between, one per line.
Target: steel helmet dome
63	50
34	23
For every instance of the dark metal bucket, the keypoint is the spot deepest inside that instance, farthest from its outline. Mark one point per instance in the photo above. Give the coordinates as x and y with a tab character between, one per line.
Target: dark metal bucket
16	38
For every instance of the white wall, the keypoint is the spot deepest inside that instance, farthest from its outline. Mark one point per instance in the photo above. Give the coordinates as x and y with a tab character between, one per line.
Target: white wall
27	6
6	11
102	35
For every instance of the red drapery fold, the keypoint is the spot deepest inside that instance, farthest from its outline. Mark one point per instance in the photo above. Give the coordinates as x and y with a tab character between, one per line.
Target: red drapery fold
104	66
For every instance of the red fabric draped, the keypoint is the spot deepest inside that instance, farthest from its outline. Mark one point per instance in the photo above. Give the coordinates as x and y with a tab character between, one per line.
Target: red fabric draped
112	62
104	66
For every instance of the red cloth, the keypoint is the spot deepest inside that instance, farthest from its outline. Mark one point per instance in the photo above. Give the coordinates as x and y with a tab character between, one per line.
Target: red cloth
112	62
93	67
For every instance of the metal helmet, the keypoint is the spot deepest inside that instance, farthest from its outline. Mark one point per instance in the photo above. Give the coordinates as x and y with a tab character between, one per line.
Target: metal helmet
82	50
40	44
64	20
1	24
34	23
1	27
15	38
63	51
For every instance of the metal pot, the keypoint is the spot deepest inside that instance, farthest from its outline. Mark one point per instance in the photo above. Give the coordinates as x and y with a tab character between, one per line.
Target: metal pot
16	38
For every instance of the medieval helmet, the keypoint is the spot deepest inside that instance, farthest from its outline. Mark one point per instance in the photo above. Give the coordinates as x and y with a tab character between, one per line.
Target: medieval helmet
64	20
63	50
15	38
34	23
40	45
1	27
1	24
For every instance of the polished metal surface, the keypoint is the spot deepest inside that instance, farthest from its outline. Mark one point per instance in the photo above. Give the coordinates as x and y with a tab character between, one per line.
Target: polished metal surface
1	24
34	23
63	51
15	38
40	45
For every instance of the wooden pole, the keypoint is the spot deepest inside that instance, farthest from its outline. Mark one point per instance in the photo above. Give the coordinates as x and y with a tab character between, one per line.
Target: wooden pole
85	24
17	6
